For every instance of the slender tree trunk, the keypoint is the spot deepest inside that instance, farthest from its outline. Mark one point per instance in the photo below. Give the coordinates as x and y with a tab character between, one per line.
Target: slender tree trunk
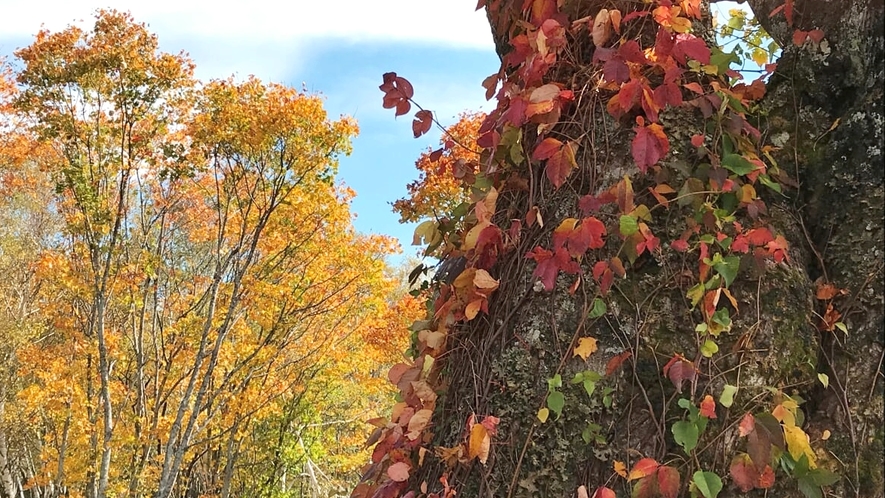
5	467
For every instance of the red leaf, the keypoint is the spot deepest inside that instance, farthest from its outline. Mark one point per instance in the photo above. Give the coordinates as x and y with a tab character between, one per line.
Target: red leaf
799	37
603	492
616	362
759	236
766	478
649	146
602	273
635	15
490	84
422	123
691	46
546	148
644	467
743	472
788	11
679	245
435	155
616	70
589	235
697	140
627	95
816	35
645	488
561	163
668	481
631	52
668	94
397	92
678	370
663	44
747	425
708	407
590	203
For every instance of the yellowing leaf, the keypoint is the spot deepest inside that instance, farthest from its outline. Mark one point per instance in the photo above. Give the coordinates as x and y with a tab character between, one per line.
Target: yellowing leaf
620	469
472	309
586	346
418	423
798	444
482	280
543	414
479	443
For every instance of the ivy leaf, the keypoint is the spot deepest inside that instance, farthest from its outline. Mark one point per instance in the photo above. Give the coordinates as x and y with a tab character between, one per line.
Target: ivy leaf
668	481
598	310
422	122
397	92
728	268
685	434
726	399
561	164
399	472
708	483
556	401
649	145
708	407
586	346
743	472
737	164
642	468
546	148
628	225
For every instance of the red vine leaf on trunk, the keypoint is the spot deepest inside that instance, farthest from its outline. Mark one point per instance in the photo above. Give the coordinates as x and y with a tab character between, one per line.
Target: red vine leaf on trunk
650	144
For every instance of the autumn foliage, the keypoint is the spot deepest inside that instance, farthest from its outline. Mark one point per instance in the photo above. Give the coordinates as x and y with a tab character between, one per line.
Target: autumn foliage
195	314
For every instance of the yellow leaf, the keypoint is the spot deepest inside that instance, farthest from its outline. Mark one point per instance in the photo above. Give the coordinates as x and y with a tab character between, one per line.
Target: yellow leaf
479	443
620	469
798	444
482	280
586	346
543	414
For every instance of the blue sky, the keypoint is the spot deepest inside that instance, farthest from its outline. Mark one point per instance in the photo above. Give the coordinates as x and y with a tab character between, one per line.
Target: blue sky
339	48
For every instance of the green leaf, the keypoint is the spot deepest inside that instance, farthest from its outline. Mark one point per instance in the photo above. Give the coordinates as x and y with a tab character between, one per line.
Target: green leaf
556	401
728	268
709	348
841	326
726	399
824	379
599	308
737	164
628	225
686	435
696	293
554	383
708	483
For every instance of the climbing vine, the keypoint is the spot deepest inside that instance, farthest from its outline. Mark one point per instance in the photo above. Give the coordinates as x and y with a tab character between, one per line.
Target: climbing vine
650	65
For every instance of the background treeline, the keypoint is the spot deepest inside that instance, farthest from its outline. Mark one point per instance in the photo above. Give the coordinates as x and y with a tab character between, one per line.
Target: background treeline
185	308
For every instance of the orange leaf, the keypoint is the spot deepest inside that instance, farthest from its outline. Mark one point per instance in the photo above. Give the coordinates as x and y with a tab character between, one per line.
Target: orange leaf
479	443
586	346
643	468
708	407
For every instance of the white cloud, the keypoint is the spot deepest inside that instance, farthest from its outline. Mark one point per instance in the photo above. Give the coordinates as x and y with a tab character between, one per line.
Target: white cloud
451	22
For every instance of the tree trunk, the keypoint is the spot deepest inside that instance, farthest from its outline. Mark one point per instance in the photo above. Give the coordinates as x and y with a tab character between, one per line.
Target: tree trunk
823	108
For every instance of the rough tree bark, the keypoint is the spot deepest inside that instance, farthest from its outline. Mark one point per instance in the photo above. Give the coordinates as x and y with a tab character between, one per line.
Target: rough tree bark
498	365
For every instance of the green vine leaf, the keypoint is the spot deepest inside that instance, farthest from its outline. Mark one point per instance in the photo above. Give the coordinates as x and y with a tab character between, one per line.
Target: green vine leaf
708	483
686	435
